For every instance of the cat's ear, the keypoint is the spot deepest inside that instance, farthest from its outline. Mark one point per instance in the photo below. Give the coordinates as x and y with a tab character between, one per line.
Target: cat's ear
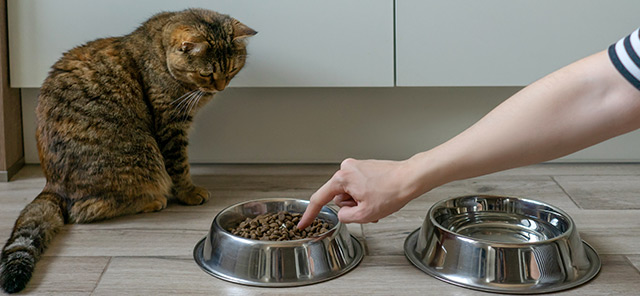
241	31
192	47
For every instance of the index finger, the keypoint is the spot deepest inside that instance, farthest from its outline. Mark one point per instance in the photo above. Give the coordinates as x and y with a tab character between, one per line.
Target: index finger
320	198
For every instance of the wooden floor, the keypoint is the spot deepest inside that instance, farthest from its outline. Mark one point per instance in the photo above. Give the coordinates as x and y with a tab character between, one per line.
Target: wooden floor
151	254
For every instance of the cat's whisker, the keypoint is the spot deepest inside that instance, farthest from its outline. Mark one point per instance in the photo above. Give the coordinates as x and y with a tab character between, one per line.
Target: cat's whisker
194	102
184	106
183	111
183	96
186	100
180	98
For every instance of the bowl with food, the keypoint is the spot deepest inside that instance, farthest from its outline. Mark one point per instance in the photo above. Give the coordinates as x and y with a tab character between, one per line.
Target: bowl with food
257	243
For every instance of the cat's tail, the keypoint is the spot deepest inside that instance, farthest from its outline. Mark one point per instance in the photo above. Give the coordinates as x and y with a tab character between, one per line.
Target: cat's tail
37	224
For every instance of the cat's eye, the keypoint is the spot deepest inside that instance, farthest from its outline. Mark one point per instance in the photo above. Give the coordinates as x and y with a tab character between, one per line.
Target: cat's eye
206	75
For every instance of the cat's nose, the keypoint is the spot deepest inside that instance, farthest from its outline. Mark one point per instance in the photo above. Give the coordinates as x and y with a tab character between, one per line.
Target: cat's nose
220	84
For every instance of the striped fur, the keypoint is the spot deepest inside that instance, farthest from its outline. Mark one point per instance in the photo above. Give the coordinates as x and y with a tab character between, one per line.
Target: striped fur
37	224
113	120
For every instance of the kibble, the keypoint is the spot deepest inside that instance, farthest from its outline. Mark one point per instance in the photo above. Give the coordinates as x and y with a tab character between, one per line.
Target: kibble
279	226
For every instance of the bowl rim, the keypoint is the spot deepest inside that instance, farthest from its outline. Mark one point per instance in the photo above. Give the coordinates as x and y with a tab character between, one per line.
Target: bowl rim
567	233
199	249
335	233
590	273
330	233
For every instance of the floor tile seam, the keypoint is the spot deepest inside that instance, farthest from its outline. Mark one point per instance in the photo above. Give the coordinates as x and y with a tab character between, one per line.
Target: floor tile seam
104	270
111	258
553	178
626	257
133	229
45	255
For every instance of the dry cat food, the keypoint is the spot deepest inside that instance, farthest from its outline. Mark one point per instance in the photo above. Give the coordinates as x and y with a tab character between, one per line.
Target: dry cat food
278	227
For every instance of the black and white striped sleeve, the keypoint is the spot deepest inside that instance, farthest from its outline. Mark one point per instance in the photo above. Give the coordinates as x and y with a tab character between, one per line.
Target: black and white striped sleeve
625	55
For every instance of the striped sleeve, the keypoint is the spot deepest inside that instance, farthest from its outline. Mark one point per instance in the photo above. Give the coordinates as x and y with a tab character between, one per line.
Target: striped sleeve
625	55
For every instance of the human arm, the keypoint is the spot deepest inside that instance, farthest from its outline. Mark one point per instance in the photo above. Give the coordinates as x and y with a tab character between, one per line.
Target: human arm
573	108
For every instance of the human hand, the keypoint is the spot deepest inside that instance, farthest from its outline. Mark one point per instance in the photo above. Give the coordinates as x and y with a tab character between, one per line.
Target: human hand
365	191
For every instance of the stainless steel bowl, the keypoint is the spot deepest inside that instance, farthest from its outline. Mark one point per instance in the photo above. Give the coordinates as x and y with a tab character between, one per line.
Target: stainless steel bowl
501	244
276	263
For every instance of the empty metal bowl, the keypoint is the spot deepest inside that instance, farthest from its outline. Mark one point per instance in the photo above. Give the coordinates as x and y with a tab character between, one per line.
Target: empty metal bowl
276	263
501	244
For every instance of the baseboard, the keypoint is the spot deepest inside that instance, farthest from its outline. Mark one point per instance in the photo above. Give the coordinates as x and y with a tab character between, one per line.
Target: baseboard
5	176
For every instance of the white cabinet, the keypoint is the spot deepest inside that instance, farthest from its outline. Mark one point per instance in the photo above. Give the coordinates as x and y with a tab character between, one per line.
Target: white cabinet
502	42
350	43
300	43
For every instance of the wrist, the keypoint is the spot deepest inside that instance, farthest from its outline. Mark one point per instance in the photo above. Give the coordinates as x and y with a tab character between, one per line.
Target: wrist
425	171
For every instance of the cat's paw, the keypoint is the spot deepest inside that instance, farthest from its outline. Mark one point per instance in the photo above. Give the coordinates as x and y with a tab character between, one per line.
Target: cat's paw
195	196
157	204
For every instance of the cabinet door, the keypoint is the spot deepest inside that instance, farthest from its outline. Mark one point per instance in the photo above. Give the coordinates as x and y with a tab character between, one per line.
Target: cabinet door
300	43
502	42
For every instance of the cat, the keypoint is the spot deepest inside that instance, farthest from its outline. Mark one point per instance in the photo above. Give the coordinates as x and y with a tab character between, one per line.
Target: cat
112	123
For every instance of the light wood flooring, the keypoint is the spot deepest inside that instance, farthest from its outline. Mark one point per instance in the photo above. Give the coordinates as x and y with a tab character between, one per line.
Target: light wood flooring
151	254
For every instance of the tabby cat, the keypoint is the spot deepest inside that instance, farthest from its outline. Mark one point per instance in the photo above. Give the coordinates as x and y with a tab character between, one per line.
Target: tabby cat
113	117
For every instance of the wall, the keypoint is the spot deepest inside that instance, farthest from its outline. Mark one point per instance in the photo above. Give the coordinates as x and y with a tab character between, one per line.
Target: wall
390	42
324	125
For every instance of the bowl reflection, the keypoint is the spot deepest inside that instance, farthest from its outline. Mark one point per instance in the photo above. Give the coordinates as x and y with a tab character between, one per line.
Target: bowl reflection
276	263
501	244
